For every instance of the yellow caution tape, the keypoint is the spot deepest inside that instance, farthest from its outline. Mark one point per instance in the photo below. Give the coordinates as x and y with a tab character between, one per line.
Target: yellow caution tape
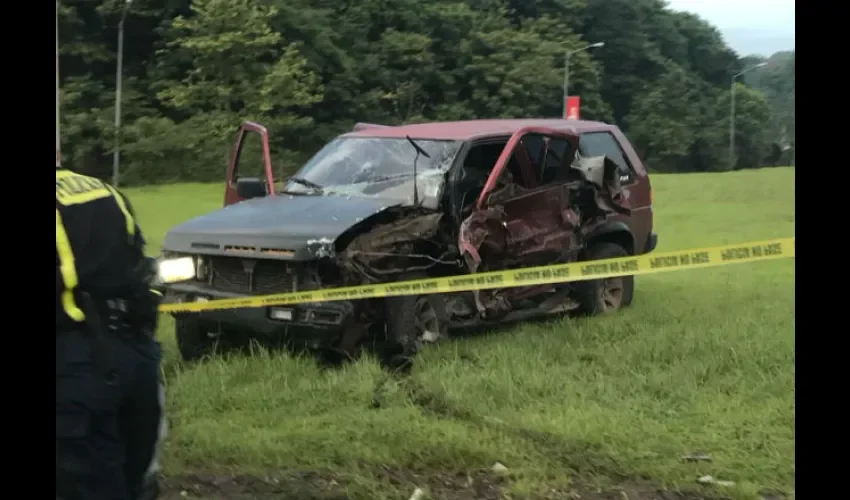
655	262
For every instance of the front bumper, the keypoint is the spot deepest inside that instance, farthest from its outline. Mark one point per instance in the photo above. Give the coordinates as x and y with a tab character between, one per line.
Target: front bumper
313	324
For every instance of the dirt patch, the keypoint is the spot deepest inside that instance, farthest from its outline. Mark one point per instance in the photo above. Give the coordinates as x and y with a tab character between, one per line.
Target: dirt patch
635	491
477	485
294	485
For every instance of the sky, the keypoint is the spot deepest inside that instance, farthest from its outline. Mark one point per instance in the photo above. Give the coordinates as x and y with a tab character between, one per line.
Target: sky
749	26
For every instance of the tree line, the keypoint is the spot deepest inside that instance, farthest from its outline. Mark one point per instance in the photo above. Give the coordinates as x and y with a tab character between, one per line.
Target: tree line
310	69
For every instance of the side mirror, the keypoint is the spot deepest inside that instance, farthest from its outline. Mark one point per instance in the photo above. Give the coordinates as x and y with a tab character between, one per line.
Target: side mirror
250	187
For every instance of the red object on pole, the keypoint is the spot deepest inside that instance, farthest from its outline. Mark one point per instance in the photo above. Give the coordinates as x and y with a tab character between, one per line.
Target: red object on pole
571	107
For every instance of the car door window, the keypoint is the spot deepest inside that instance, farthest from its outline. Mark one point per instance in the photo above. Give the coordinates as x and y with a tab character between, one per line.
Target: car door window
477	167
535	145
249	162
551	164
603	143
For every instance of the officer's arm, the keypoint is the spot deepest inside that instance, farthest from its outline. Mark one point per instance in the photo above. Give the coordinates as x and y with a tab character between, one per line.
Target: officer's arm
138	237
146	267
146	271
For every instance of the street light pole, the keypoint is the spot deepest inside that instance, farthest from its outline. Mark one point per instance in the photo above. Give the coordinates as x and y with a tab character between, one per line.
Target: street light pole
567	66
732	112
58	140
119	73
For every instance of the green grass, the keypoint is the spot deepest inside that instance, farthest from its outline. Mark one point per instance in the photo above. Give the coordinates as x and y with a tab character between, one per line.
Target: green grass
703	361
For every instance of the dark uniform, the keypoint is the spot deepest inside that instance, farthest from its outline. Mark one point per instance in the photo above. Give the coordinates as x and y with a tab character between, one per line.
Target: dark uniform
107	361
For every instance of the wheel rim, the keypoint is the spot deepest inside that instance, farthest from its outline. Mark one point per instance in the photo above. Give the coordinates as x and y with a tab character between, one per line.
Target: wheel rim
427	321
611	294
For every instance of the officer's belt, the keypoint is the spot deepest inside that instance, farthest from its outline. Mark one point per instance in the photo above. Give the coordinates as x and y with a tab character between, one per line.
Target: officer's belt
107	318
119	317
101	353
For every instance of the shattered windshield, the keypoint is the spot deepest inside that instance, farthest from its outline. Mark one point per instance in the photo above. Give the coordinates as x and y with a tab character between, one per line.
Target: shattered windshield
376	166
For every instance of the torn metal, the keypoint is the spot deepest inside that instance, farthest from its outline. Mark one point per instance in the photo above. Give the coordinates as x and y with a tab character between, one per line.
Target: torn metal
411	241
547	228
513	231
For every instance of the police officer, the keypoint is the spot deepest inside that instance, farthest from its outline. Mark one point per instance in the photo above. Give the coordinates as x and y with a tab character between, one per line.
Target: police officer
108	404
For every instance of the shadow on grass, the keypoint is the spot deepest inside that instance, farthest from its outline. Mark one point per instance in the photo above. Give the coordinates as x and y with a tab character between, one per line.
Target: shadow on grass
389	356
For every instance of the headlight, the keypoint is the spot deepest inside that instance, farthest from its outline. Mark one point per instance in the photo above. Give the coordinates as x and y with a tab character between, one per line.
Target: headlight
174	270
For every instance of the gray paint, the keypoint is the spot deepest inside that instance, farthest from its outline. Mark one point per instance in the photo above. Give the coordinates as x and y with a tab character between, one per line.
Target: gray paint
303	224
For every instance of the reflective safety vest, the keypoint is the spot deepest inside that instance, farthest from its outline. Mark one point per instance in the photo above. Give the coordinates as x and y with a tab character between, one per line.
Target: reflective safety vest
98	244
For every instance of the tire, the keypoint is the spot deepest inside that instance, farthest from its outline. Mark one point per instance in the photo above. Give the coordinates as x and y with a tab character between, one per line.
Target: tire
591	295
193	339
405	318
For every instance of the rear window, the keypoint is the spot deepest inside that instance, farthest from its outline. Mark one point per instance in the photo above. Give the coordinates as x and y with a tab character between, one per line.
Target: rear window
604	143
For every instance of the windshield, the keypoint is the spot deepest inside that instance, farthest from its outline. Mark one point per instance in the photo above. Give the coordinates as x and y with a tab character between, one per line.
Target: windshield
376	166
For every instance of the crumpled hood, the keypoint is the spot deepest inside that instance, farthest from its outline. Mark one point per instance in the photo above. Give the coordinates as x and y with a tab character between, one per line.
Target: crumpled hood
295	227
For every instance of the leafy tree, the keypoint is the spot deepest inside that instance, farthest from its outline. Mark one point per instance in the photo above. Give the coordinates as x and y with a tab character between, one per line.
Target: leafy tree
238	64
752	138
629	59
230	66
310	69
777	82
663	121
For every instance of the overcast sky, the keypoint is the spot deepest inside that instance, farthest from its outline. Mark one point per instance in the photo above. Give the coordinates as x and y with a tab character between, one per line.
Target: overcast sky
749	26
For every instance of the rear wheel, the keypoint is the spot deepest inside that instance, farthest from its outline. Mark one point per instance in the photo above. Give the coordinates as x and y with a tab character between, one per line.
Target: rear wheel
605	295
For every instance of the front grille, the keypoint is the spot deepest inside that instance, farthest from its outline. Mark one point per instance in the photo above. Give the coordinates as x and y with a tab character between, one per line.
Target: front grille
231	274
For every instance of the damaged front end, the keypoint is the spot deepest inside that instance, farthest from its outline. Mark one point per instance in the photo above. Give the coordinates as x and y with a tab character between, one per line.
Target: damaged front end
400	243
406	242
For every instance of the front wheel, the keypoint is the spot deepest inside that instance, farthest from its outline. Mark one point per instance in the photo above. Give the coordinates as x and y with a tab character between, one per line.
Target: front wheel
605	295
194	338
414	320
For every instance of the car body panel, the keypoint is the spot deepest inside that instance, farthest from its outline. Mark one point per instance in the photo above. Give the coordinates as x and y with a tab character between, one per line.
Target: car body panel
293	227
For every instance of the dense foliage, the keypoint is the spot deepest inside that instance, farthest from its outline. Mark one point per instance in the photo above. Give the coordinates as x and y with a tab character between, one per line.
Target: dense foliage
310	69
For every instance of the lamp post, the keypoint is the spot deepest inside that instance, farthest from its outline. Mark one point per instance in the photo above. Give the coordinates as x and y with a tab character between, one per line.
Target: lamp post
732	113
567	66
58	141
119	72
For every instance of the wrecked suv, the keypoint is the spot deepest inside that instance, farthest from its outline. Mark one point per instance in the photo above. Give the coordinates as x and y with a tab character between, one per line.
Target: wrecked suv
383	204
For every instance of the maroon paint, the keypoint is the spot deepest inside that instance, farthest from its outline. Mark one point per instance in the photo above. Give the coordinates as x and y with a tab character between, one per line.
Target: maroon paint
230	194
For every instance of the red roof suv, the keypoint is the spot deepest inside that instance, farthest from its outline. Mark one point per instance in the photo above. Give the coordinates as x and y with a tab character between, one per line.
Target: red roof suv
391	203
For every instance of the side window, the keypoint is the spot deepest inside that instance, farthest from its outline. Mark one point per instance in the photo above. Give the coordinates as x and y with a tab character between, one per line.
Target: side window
603	143
249	163
536	147
547	171
477	165
482	158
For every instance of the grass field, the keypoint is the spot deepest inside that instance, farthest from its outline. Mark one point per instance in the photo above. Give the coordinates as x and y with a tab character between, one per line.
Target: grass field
702	362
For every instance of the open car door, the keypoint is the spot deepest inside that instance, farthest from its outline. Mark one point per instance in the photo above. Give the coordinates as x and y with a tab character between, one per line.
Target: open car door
523	221
528	222
239	185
